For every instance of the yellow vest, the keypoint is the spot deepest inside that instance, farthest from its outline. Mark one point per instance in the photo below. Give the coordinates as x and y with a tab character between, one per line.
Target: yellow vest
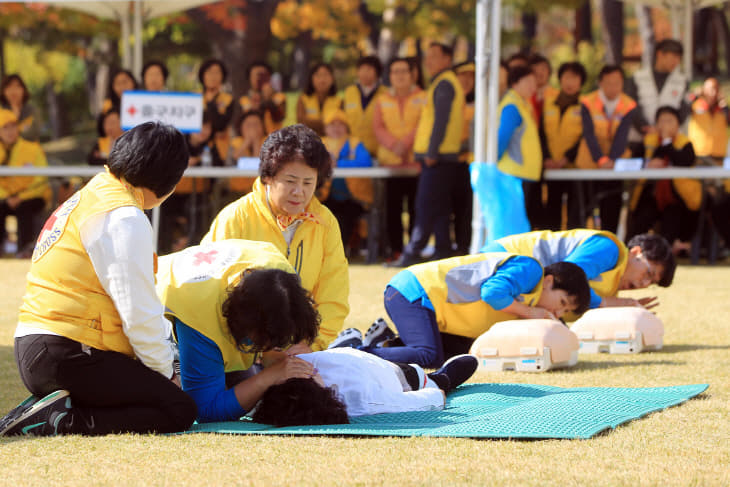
689	190
361	121
24	153
603	126
451	144
193	285
454	288
549	247
361	188
312	109
562	131
399	124
269	124
63	294
523	157
708	130
466	155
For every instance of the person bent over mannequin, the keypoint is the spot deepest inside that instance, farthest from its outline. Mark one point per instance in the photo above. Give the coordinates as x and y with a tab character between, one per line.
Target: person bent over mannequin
232	302
92	340
440	307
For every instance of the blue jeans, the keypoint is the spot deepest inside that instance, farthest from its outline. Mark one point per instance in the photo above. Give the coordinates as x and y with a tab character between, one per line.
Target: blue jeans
418	330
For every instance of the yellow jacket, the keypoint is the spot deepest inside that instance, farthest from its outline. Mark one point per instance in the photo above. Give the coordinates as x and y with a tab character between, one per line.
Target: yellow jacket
269	124
316	252
361	121
523	157
451	144
708	130
453	286
313	110
561	132
63	294
399	124
24	153
604	127
550	247
193	284
689	190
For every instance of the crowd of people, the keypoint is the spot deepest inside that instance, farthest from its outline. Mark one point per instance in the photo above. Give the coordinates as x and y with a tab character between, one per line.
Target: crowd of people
390	117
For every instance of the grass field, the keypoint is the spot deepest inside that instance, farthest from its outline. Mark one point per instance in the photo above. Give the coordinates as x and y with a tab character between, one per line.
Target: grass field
684	445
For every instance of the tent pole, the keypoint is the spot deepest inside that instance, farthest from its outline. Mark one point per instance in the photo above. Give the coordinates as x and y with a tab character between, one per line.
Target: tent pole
137	37
126	54
481	62
493	102
688	41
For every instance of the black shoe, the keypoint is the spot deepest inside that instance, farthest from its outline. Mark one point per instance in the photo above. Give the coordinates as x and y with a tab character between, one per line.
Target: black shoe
44	418
377	333
405	260
458	369
16	413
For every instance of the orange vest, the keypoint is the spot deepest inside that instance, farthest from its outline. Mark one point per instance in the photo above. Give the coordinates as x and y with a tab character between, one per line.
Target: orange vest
399	123
562	131
708	130
603	126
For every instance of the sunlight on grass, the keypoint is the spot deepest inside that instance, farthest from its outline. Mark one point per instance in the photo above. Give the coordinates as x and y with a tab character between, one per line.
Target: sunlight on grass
684	445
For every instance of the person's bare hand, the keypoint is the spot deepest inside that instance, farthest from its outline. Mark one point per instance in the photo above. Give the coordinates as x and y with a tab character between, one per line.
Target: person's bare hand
648	302
550	164
267	90
399	149
538	313
13	201
430	161
291	367
656	163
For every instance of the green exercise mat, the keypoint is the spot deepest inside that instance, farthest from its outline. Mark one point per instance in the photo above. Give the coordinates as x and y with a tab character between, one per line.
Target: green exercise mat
498	411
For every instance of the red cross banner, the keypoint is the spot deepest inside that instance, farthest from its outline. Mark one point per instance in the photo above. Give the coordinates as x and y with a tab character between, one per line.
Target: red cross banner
184	111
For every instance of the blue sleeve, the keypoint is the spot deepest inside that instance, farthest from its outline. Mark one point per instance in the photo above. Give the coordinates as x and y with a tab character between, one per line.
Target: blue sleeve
595	256
509	120
203	376
362	156
519	275
443	97
589	134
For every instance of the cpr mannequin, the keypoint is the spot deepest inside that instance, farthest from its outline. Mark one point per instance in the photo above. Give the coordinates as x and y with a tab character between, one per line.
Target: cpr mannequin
619	330
526	346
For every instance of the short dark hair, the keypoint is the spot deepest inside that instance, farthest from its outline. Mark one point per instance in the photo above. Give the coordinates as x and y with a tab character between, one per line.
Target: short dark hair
399	60
445	48
152	155
309	88
666	109
295	143
270	308
572	279
207	64
539	59
116	101
575	68
257	64
656	249
6	81
609	69
244	116
372	61
300	402
101	118
518	56
159	64
669	45
517	73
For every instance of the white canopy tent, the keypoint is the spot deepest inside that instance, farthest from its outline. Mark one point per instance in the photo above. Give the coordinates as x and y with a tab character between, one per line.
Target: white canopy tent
130	14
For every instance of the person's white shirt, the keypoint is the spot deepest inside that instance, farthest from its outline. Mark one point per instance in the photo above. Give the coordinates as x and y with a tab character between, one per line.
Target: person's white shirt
120	246
368	384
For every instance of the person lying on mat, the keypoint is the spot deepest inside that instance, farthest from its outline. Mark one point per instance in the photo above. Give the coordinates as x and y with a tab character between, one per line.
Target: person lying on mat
92	337
231	302
349	382
609	265
440	307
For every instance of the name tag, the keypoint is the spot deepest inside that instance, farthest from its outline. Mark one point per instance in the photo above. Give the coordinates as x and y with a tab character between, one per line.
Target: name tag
629	164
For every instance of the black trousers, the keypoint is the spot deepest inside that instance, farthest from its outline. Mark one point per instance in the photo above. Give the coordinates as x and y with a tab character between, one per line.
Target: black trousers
398	191
548	214
434	204
25	213
461	201
677	222
347	213
110	392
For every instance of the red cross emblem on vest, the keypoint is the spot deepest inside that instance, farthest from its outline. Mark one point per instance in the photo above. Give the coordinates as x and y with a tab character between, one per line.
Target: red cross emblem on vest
204	257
